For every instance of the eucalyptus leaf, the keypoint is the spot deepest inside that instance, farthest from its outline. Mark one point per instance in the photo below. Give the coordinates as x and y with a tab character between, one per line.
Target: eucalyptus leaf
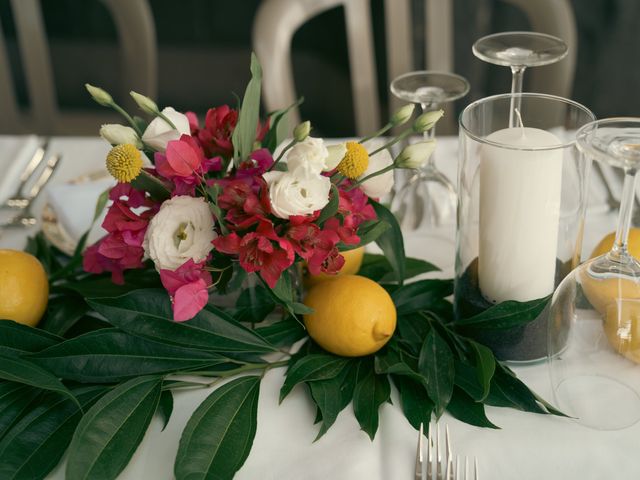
312	367
507	314
110	432
467	410
371	391
24	338
108	355
147	313
421	295
391	241
244	133
218	437
436	363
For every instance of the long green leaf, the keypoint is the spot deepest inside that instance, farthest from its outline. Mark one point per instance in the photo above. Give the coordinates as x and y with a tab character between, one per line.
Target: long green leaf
436	363
370	392
110	432
35	445
421	295
465	409
391	241
331	208
326	394
485	366
24	338
62	313
15	400
253	305
147	313
282	333
416	404
312	367
23	371
107	356
218	437
273	137
165	407
507	314
245	132
377	267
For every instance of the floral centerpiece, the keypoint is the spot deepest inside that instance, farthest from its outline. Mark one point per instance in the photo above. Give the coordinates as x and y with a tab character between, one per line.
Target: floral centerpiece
198	209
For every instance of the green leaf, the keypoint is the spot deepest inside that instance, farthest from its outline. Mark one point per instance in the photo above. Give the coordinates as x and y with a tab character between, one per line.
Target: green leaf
15	400
331	208
436	363
165	407
391	241
35	445
273	137
62	313
312	367
421	295
218	437
253	305
245	132
412	330
147	313
392	363
377	267
110	432
107	355
327	396
24	338
467	410
416	404
507	314
368	232
370	392
282	333
102	286
485	366
25	372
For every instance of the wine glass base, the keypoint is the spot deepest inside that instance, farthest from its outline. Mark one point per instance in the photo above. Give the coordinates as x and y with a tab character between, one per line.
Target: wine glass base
598	402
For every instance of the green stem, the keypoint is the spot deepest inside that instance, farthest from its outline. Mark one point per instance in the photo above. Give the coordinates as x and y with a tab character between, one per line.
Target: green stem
374	174
284	150
384	129
402	136
127	117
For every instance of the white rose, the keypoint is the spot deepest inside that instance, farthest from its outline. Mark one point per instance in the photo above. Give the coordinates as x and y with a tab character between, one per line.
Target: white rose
181	230
380	185
159	132
118	134
310	153
297	192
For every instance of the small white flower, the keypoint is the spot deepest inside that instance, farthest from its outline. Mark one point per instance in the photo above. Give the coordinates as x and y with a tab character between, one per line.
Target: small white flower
297	192
145	103
403	114
118	134
427	121
181	230
99	95
380	185
159	132
336	154
310	153
415	155
302	131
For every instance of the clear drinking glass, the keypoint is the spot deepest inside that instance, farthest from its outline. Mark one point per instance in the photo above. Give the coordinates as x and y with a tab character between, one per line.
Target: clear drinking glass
428	197
594	323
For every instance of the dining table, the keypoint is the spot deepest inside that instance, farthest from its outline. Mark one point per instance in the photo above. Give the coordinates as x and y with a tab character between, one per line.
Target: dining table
526	446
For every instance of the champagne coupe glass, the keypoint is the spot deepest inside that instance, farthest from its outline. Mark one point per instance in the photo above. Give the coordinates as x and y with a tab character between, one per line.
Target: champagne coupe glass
594	322
519	50
428	197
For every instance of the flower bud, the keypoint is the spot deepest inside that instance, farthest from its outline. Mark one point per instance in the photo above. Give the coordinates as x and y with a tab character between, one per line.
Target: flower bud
145	103
426	121
99	95
118	134
302	131
416	155
403	114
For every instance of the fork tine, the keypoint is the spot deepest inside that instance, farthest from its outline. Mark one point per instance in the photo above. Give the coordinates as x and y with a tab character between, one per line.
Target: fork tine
476	474
419	457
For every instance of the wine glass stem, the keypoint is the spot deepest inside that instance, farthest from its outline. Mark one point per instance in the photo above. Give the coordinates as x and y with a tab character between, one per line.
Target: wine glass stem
517	74
624	220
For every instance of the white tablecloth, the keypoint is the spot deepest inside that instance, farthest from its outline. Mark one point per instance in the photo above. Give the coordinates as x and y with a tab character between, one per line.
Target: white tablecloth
528	446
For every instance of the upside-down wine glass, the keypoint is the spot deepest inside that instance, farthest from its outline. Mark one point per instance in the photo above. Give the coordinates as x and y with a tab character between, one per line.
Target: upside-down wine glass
428	198
594	326
519	50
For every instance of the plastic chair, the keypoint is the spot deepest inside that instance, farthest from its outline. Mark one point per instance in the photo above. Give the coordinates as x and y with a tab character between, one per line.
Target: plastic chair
277	21
136	31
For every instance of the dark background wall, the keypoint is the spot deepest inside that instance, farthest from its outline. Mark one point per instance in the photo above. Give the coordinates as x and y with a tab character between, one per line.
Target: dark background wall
204	48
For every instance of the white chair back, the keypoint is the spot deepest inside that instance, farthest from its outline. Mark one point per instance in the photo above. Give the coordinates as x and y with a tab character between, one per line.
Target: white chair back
277	21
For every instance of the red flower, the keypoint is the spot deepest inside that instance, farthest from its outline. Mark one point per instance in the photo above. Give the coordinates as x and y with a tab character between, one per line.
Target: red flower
218	128
243	206
187	286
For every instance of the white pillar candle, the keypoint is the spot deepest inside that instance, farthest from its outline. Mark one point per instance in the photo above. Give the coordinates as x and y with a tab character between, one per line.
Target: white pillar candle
519	214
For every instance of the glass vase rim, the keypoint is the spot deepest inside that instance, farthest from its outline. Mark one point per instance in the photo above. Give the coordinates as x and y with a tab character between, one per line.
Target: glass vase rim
503	96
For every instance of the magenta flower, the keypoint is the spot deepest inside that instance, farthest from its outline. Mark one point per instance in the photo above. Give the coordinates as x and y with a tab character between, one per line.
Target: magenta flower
187	286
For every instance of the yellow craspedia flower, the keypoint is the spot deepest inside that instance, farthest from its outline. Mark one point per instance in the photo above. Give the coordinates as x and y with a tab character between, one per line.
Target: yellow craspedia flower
355	161
124	162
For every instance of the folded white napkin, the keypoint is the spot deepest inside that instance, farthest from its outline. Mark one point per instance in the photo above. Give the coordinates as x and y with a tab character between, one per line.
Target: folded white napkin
74	205
15	153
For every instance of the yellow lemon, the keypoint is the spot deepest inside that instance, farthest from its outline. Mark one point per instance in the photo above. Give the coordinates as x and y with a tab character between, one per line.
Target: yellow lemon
607	242
24	288
622	327
603	292
353	316
352	263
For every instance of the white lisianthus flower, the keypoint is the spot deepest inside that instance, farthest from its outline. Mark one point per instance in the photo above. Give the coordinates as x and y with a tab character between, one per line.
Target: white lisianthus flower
297	192
380	185
117	134
336	154
310	153
415	155
159	132
181	230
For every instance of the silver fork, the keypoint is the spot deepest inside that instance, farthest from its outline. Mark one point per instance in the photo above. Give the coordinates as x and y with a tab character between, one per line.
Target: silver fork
466	474
26	218
18	200
439	465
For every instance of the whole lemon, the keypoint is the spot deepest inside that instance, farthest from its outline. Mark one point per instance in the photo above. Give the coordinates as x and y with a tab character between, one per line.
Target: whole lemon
24	288
353	316
606	243
352	263
622	327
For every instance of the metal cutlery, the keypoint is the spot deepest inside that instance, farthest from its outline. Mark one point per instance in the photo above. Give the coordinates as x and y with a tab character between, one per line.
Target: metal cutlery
438	464
18	199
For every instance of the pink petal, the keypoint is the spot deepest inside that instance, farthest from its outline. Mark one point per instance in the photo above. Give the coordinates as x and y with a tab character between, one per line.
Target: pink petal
189	300
184	160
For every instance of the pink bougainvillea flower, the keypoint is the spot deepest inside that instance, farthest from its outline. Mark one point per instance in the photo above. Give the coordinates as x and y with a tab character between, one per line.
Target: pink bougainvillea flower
259	162
187	286
182	158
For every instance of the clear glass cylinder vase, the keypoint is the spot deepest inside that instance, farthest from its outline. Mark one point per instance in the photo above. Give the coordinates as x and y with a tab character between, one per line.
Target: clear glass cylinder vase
522	198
